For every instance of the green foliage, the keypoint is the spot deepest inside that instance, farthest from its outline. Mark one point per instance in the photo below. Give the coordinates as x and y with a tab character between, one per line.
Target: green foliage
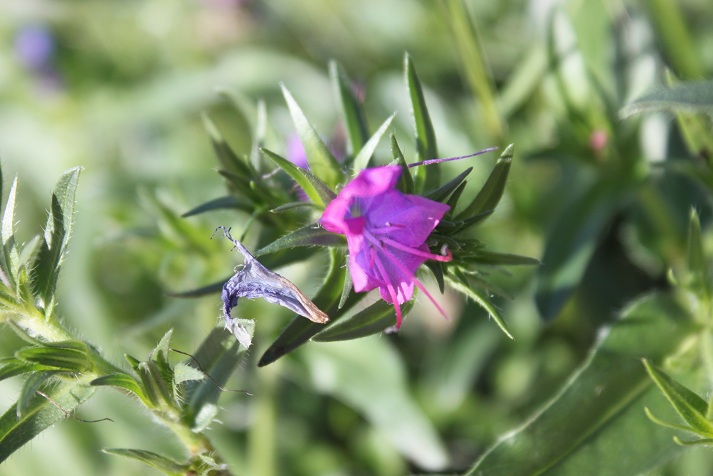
610	188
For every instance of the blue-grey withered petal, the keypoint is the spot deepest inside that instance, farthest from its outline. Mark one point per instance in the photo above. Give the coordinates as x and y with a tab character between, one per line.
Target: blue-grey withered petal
254	280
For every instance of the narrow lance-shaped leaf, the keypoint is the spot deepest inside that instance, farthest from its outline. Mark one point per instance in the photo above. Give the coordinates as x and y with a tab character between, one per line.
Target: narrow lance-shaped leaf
376	318
10	256
481	299
309	235
405	180
352	110
489	196
604	392
687	96
39	415
56	237
316	190
162	463
687	404
218	356
122	381
426	177
321	161
299	331
363	158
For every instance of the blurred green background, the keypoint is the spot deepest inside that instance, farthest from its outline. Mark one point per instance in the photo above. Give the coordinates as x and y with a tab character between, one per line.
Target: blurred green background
118	87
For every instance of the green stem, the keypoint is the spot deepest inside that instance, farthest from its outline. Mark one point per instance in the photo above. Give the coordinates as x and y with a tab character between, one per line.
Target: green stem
675	41
262	437
474	66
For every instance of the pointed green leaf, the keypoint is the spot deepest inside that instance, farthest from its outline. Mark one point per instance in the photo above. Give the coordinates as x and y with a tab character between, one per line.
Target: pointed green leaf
697	263
10	256
39	415
13	367
405	180
56	238
321	161
501	259
28	393
440	194
427	177
158	389
123	381
570	245
600	402
217	357
687	404
292	206
315	189
489	196
481	299
300	330
687	96
363	158
227	158
162	463
184	373
374	319
221	203
309	235
351	108
202	291
69	356
436	268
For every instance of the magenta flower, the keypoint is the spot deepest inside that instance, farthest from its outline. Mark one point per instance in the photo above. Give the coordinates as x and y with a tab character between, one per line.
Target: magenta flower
386	233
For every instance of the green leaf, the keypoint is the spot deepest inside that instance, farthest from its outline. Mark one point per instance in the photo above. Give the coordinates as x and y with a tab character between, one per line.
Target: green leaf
481	299
697	262
162	463
374	319
587	417
123	381
687	96
315	189
363	158
56	238
687	404
28	393
183	373
10	256
12	367
217	357
405	180
227	158
202	291
474	66
320	159
300	330
442	192
221	203
158	389
493	258
570	245
39	415
69	356
351	108
489	196
426	177
309	235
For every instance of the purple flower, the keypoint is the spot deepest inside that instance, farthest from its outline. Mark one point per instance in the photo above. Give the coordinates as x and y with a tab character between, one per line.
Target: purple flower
386	233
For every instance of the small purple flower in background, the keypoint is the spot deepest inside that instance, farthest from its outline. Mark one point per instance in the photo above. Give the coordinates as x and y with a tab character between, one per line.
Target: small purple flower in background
386	233
296	152
35	48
